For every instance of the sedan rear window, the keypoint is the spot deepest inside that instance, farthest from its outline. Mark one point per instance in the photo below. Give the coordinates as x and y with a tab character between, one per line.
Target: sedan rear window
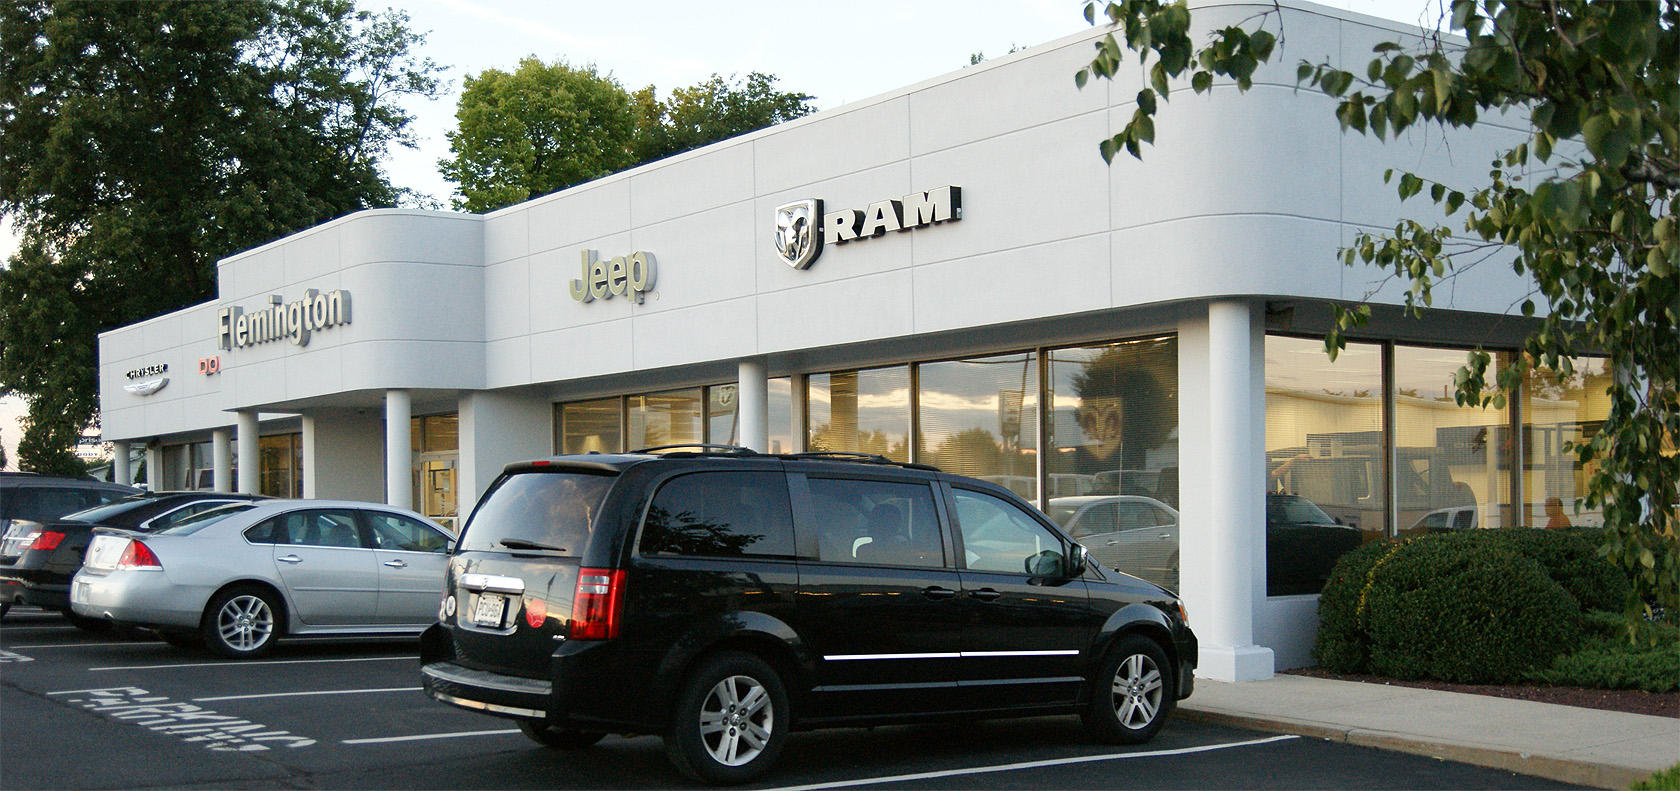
192	523
550	512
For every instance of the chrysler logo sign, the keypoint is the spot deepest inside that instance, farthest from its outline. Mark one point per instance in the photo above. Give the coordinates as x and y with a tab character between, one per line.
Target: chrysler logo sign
800	238
147	380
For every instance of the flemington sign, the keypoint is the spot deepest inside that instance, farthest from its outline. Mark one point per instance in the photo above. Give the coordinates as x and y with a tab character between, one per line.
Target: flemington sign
294	321
800	238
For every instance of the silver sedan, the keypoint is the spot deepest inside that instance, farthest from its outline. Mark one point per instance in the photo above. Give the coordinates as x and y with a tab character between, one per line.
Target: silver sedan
240	576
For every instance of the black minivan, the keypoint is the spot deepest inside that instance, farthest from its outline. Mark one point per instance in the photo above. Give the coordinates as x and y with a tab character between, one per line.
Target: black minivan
722	598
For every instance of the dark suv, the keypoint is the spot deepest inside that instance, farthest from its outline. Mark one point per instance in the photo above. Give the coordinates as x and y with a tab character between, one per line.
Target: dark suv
722	599
27	503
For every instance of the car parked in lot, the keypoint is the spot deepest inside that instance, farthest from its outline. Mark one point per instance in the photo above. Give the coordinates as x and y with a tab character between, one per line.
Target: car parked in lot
1129	533
722	599
240	576
33	557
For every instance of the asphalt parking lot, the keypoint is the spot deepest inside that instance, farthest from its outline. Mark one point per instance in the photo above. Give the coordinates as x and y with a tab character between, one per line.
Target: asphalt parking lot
81	710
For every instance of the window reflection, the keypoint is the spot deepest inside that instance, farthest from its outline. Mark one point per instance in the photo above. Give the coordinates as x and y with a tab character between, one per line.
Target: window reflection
1324	459
980	418
1453	463
590	426
861	412
668	418
1559	413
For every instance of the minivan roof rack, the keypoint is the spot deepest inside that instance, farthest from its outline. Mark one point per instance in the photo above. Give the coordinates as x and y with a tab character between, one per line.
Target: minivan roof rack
704	449
867	458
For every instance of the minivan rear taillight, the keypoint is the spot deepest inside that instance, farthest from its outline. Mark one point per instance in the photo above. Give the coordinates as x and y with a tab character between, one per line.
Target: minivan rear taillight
139	556
596	605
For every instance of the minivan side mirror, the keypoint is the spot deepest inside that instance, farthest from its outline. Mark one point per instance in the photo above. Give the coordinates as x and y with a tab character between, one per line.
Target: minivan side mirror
1079	562
1048	563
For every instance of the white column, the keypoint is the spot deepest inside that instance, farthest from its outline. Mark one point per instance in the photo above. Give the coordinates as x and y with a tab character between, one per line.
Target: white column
250	466
497	429
399	450
799	406
154	467
1234	536
752	399
221	461
309	450
119	463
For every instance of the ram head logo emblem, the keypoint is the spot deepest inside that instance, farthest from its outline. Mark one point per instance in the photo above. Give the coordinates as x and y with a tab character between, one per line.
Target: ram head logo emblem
798	232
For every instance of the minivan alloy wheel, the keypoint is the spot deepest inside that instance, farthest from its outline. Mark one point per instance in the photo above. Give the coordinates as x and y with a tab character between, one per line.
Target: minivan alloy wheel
736	720
1137	691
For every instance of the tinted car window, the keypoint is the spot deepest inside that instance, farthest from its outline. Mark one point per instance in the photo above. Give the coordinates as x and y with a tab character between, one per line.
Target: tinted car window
720	514
192	523
323	528
998	536
46	503
184	512
553	509
876	522
400	533
104	514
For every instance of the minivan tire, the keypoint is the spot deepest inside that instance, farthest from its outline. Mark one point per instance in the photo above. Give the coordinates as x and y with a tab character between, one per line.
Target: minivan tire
241	622
1133	694
558	738
743	706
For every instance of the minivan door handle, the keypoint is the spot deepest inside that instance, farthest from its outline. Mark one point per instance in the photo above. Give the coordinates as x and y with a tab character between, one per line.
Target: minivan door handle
289	559
936	592
985	594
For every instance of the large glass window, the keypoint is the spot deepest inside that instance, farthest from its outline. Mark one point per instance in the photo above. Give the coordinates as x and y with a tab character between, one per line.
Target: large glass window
1114	420
591	426
781	415
1558	412
723	417
979	418
1324	431
668	418
720	514
281	470
861	412
1452	462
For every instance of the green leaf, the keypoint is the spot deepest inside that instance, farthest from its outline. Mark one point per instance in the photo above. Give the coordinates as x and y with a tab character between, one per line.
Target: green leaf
1081	76
1201	82
1158	78
1594	132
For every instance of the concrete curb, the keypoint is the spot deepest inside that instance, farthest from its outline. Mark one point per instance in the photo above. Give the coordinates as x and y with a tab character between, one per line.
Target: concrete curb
1563	770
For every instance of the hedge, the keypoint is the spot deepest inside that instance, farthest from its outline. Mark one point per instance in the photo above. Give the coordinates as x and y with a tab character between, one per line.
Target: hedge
1483	606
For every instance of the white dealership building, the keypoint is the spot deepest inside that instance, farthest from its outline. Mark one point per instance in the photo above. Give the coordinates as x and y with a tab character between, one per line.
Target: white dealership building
947	273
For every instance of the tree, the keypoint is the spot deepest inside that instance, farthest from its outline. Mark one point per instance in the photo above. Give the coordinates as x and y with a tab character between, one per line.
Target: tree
143	141
3	460
712	110
544	127
1593	231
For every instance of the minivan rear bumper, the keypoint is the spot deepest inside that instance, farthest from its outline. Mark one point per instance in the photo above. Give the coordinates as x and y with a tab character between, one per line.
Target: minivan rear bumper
491	693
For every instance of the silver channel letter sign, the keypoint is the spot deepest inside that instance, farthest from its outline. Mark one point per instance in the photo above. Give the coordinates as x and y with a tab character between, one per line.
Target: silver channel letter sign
799	241
621	275
295	321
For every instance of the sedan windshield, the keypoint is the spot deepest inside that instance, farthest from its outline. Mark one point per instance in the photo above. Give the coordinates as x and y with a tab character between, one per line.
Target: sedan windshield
191	524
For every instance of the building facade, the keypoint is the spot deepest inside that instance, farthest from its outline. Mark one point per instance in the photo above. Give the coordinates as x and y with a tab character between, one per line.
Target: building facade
946	274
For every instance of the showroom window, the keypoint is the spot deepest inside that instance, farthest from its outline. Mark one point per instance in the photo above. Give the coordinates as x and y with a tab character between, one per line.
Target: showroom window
694	415
1114	421
864	411
281	470
979	417
1559	413
1452	462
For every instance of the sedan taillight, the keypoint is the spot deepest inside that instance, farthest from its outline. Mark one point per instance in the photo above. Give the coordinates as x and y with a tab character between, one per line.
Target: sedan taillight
46	540
139	556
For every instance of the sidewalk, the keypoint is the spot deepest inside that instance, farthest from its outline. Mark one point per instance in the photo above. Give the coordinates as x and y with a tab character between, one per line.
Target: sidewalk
1605	749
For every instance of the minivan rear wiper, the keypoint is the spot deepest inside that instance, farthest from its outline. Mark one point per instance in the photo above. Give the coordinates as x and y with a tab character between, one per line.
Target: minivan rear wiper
520	543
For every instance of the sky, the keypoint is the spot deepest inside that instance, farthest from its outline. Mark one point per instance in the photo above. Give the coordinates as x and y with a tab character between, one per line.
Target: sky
836	52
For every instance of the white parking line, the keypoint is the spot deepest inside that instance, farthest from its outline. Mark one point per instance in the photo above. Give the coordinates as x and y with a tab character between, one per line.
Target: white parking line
1083	759
236	663
423	736
301	694
87	645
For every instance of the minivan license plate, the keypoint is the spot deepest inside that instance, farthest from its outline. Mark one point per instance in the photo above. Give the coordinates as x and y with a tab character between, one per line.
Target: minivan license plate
489	610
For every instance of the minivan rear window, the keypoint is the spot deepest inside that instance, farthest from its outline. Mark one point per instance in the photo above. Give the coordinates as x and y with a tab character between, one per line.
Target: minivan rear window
551	512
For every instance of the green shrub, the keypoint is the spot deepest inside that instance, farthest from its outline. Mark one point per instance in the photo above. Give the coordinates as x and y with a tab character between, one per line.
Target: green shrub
1614	657
1342	646
1453	607
1571	559
1666	780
